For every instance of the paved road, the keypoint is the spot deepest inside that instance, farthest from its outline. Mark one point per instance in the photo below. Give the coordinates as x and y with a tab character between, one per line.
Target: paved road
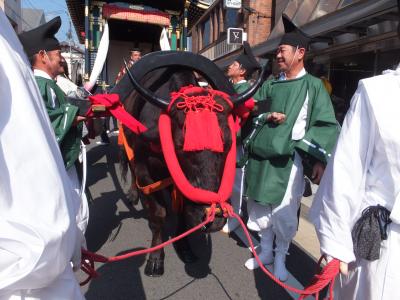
116	227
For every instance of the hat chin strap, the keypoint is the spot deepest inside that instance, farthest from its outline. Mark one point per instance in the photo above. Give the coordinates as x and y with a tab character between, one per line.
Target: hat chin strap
294	56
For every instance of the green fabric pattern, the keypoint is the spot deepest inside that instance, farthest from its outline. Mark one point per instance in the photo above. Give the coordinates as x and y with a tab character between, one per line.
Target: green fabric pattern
62	115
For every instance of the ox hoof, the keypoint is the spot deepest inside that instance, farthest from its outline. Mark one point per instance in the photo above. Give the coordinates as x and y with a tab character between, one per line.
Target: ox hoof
133	197
186	255
154	267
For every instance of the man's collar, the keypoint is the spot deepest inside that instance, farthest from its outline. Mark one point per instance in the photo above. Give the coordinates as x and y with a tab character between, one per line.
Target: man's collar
302	72
41	73
241	81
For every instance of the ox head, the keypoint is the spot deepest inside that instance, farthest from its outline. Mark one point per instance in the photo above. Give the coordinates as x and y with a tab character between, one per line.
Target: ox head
203	168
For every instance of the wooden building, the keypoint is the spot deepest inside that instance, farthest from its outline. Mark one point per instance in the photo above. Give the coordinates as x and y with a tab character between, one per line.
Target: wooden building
132	24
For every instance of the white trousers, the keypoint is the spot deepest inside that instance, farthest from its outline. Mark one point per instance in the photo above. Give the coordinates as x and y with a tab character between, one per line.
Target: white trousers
82	217
282	218
238	186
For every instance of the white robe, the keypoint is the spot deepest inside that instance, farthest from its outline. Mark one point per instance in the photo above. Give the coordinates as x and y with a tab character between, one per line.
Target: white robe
38	233
364	171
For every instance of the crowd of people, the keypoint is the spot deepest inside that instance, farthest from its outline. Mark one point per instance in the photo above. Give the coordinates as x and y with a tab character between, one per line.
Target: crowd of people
291	132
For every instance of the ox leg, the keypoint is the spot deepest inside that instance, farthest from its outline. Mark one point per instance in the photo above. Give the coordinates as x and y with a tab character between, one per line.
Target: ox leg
182	247
134	193
157	213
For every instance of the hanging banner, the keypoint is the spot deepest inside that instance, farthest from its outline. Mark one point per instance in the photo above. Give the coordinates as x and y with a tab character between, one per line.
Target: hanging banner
100	59
164	41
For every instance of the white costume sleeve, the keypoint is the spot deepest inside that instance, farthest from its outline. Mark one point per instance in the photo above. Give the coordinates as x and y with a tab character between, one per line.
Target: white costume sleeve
337	202
38	233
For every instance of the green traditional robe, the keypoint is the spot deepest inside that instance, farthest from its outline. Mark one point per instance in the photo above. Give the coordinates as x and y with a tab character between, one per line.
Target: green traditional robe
62	115
244	131
241	86
271	148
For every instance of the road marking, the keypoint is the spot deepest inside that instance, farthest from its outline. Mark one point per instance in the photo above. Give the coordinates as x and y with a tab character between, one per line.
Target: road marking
292	281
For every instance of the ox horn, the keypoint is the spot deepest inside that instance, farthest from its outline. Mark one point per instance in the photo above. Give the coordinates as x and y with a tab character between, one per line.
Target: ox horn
145	93
239	99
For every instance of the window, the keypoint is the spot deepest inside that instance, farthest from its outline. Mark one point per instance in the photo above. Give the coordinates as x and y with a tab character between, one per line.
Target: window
231	18
206	33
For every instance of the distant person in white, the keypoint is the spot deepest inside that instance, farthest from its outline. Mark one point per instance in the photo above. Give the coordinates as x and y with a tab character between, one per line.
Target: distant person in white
40	242
364	172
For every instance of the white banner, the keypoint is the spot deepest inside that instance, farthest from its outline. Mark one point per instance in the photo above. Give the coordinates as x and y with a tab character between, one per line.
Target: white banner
100	59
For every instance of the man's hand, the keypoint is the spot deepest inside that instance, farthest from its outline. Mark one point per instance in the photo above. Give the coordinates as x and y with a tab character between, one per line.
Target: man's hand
343	267
318	171
276	117
78	119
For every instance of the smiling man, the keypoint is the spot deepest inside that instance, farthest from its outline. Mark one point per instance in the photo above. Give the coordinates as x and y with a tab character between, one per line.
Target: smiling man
301	128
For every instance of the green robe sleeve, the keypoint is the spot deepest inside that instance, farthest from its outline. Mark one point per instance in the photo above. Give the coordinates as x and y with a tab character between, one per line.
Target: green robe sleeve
62	114
322	128
263	92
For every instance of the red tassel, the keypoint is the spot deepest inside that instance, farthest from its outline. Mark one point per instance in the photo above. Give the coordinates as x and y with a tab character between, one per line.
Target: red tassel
202	132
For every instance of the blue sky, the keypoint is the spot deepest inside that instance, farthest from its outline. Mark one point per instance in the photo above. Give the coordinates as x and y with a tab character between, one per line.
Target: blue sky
53	8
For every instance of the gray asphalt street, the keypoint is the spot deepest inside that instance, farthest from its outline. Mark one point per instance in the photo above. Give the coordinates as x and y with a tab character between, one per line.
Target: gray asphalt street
116	227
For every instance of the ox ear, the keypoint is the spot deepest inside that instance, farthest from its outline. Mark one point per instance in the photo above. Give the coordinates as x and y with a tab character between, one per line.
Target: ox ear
239	99
145	93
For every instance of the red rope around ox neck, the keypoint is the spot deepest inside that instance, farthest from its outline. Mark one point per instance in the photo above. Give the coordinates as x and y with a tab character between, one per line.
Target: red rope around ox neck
185	187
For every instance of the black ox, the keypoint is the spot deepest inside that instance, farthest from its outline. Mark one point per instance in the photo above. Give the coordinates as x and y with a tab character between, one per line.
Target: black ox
144	91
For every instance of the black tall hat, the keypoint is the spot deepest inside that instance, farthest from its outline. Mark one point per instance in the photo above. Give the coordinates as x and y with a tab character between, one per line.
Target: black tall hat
293	35
41	38
247	59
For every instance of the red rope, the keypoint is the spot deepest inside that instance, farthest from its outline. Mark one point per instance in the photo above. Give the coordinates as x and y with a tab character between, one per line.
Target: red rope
89	258
318	283
185	187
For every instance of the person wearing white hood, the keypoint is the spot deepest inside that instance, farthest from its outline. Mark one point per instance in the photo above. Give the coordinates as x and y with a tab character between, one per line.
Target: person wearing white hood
40	242
356	211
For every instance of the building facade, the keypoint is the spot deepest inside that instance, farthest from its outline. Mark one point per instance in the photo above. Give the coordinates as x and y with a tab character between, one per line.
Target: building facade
136	25
209	34
351	39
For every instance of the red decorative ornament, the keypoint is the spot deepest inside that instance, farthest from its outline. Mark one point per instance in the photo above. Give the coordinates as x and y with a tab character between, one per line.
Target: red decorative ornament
201	128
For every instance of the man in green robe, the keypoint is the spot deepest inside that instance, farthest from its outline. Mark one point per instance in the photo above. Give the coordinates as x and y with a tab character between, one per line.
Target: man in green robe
297	135
43	51
239	72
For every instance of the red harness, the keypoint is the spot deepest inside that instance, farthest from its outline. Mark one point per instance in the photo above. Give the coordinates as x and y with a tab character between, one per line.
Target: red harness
192	193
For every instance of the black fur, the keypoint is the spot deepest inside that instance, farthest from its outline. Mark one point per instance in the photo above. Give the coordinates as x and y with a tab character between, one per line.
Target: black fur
203	168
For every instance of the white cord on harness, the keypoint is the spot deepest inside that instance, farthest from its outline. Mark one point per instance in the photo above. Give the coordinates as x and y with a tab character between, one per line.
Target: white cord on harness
82	159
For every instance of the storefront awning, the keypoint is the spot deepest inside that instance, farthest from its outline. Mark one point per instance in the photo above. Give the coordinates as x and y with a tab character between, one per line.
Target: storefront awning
355	19
148	16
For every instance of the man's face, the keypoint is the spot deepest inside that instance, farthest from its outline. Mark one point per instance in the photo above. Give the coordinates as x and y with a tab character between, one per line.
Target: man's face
288	57
235	70
136	55
53	61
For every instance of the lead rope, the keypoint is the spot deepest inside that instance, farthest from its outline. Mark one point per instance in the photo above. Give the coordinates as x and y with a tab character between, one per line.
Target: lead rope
319	282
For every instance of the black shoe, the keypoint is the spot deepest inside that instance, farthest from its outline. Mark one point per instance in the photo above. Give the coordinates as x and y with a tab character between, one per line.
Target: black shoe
307	188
